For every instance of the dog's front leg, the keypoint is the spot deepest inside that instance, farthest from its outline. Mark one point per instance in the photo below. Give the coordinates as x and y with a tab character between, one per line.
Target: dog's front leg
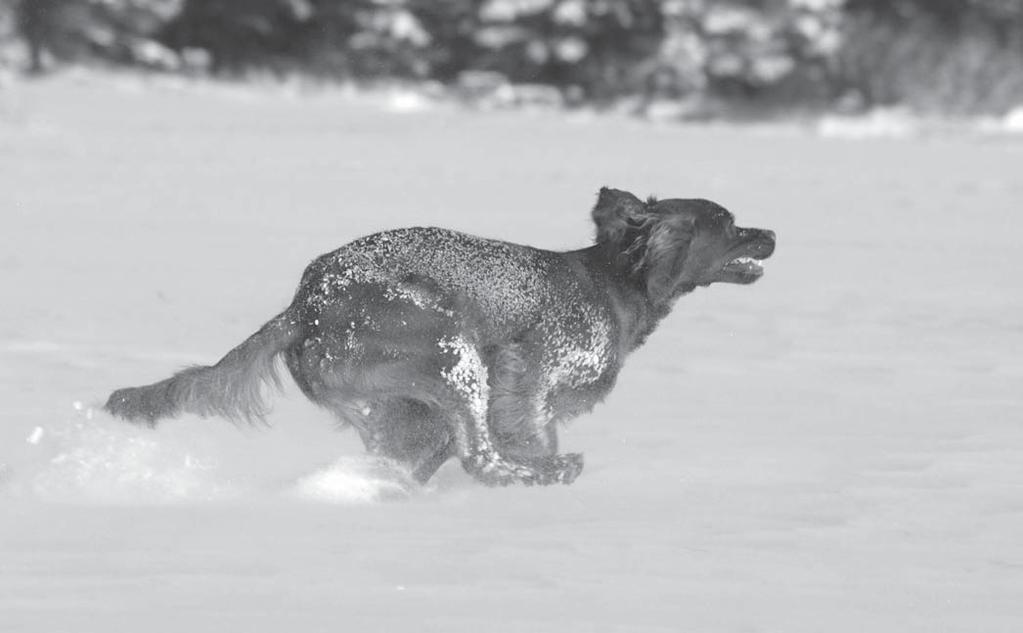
467	380
520	424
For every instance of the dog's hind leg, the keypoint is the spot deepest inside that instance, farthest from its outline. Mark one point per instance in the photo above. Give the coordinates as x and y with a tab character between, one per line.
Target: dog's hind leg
410	432
403	430
430	463
417	436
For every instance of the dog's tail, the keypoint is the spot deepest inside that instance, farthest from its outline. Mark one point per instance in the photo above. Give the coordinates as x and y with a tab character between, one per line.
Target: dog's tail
233	388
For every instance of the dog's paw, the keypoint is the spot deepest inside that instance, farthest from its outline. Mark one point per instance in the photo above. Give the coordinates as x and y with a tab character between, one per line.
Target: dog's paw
561	469
494	471
544	471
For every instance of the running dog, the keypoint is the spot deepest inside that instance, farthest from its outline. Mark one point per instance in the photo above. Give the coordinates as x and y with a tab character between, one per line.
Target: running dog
435	344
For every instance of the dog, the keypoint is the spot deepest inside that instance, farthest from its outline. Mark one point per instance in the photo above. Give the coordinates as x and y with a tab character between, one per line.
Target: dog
435	344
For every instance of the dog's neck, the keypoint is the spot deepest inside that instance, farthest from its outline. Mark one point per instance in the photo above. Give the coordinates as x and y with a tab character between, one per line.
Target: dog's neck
636	313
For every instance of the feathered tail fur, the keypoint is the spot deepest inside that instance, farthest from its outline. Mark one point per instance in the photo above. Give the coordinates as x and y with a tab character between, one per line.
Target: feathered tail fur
233	388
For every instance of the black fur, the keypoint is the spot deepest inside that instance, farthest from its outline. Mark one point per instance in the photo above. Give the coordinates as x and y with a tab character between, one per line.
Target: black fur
435	344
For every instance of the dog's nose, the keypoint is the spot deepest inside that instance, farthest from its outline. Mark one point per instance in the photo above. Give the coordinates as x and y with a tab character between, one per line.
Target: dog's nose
763	244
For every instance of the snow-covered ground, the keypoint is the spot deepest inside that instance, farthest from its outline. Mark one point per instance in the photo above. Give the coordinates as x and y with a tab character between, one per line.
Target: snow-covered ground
836	448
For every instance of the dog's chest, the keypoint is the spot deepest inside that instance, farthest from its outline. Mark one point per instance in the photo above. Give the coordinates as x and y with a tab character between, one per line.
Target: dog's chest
578	348
579	360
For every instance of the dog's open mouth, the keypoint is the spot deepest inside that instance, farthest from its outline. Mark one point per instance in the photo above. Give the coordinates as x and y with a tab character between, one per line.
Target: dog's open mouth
744	269
747	261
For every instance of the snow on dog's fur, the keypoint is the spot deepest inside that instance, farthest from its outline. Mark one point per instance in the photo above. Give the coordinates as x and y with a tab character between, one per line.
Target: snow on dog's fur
436	344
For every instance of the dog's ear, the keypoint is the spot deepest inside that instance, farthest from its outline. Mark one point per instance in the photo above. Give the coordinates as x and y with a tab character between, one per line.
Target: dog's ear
615	213
664	259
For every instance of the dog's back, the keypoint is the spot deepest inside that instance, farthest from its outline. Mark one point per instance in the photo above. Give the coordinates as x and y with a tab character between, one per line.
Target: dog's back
510	286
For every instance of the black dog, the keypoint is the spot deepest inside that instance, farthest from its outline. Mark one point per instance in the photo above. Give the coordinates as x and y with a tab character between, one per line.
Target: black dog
435	344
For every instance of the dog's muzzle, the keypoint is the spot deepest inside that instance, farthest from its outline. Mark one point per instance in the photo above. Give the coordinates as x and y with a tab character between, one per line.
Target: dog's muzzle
747	266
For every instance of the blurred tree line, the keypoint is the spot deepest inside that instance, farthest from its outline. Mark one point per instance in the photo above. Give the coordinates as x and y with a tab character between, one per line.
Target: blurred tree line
937	55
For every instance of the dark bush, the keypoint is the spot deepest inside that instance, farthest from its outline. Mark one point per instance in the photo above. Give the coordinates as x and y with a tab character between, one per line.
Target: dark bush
947	55
117	30
598	46
957	56
593	44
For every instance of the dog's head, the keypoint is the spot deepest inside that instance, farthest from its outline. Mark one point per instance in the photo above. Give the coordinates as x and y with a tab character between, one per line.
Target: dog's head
673	246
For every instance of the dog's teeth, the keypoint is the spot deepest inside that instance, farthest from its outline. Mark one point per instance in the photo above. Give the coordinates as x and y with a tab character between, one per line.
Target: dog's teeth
748	261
